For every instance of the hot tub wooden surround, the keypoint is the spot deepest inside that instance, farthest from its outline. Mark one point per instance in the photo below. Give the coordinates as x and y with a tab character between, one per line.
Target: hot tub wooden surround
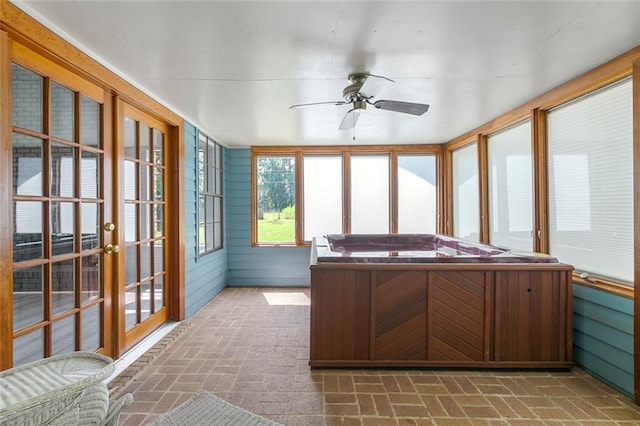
467	315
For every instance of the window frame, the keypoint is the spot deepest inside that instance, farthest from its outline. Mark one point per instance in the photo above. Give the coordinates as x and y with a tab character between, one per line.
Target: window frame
209	173
345	152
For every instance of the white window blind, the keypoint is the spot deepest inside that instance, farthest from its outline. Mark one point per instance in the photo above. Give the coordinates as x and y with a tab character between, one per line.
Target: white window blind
466	204
510	188
590	173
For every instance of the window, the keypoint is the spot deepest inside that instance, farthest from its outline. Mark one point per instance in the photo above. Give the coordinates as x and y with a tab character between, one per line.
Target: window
510	188
417	194
322	195
357	190
590	174
276	197
370	194
210	195
466	202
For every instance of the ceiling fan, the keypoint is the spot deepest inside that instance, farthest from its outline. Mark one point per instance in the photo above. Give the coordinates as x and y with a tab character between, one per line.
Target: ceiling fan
360	92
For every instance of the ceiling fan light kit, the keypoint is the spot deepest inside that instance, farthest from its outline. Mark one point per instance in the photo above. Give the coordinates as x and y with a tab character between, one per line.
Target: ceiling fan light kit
360	92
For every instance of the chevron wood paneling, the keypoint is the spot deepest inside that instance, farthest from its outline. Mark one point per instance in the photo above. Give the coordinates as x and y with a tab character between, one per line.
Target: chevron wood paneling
457	315
400	315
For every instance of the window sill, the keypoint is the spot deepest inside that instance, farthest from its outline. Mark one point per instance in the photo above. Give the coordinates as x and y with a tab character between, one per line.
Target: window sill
605	285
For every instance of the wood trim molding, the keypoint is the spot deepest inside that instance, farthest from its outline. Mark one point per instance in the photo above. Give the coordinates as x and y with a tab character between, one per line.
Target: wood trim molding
636	222
6	213
540	187
176	233
447	191
483	188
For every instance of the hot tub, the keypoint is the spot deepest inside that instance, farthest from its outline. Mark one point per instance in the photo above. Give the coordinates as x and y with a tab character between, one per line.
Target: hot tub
424	300
416	248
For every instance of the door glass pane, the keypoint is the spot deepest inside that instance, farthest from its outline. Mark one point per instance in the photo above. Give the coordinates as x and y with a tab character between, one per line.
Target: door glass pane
130	185
130	222
129	138
26	94
145	221
62	286
63	335
90	323
90	284
158	221
145	190
62	170
158	147
145	260
145	302
131	307
90	175
145	143
27	165
158	256
511	188
62	227
417	194
89	122
158	293
370	194
131	265
28	348
62	112
466	201
89	220
28	303
322	195
27	230
158	184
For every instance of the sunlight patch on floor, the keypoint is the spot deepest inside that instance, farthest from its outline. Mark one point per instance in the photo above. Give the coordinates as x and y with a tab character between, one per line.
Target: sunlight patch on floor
297	298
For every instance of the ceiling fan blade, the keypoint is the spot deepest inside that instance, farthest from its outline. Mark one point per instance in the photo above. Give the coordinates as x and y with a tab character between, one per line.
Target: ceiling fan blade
404	107
350	119
374	85
318	103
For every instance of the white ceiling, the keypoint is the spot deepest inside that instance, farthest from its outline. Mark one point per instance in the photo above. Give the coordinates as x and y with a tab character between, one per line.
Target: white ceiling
232	68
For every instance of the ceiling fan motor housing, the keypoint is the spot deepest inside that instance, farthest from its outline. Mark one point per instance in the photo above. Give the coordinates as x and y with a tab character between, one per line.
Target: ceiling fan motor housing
351	93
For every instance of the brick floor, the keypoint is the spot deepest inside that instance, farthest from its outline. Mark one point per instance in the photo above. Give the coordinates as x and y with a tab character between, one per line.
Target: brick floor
255	355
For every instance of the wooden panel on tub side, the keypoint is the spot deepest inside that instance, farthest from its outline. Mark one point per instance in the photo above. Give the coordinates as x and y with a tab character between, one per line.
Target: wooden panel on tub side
340	314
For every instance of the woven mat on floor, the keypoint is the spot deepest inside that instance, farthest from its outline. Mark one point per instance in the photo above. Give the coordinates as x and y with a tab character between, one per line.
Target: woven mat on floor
204	408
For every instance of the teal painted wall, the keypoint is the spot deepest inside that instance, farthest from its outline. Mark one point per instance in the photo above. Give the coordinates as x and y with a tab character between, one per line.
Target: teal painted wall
603	336
256	266
205	276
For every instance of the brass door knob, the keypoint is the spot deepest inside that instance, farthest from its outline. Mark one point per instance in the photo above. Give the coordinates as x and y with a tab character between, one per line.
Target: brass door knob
111	249
109	226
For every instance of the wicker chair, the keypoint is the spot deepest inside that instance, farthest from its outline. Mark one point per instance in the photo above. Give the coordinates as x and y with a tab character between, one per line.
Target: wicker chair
61	390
